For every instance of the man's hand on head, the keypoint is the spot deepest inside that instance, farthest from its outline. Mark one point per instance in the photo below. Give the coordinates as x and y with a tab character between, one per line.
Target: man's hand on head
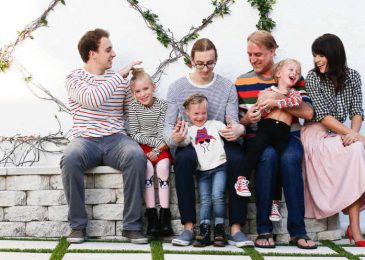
125	71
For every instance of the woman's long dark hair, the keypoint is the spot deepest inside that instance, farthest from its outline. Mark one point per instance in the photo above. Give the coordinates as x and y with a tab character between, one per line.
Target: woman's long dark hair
330	46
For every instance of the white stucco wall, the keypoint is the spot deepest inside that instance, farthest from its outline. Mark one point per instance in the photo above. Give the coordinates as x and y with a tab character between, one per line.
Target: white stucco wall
53	53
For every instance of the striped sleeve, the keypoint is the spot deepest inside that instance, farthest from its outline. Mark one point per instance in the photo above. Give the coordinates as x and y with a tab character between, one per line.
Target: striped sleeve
171	115
91	93
294	100
128	98
232	104
161	122
141	122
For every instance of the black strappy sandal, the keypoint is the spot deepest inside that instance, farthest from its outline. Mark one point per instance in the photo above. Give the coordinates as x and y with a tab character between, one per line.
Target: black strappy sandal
294	241
265	237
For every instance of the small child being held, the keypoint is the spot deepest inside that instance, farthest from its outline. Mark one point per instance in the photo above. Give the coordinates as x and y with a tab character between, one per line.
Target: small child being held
274	128
146	122
204	135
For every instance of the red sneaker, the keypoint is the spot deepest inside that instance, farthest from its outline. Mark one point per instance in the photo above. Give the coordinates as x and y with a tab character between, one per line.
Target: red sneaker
275	213
241	187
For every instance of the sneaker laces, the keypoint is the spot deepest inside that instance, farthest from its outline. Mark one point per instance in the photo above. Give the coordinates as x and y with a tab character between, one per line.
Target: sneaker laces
275	209
242	184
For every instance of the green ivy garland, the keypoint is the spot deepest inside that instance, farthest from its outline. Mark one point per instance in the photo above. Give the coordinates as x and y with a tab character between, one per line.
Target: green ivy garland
264	7
221	8
166	37
7	51
31	146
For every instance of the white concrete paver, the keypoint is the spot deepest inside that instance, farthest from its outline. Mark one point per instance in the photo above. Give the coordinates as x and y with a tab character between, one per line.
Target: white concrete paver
295	250
24	244
109	256
205	257
355	250
22	256
301	258
110	246
342	242
228	248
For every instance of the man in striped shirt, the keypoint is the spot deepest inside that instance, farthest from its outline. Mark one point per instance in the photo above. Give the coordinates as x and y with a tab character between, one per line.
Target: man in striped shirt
99	99
261	47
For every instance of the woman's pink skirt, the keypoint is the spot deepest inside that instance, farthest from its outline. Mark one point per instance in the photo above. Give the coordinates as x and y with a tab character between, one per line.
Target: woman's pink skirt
334	175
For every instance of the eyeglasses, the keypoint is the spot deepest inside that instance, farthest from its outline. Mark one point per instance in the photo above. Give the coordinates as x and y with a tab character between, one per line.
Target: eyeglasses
208	65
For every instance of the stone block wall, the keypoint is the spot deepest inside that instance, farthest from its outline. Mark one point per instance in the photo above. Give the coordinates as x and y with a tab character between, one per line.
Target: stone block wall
33	204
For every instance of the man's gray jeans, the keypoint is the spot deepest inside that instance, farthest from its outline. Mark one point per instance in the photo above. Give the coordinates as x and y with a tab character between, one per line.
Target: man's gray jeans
118	151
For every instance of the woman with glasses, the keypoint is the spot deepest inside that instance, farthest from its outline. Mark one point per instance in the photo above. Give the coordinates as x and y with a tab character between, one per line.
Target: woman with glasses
223	106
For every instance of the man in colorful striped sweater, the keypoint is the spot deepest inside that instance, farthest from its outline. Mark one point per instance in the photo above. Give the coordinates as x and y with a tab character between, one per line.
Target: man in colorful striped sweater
261	47
98	99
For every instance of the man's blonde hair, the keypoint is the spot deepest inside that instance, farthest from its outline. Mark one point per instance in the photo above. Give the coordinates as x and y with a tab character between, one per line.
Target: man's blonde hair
264	38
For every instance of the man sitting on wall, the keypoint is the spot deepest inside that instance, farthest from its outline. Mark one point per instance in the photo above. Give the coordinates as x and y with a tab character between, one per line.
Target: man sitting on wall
99	98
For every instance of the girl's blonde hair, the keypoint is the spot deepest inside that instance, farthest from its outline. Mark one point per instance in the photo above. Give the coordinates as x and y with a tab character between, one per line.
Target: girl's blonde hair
278	66
139	74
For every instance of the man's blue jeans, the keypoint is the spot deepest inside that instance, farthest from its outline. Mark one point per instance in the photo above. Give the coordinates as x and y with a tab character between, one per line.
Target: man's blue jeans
290	170
118	151
212	184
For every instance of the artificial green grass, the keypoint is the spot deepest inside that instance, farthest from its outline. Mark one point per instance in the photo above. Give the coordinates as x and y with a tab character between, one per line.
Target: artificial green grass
26	250
255	255
157	250
339	250
60	249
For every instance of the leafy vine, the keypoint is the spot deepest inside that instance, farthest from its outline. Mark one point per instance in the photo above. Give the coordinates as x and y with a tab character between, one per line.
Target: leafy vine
7	52
166	36
25	150
264	7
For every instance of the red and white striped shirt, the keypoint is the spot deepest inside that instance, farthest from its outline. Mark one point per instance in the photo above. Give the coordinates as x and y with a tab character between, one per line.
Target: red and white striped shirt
98	103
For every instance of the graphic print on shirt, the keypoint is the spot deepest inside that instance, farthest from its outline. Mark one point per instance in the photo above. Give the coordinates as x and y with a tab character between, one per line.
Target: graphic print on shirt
203	139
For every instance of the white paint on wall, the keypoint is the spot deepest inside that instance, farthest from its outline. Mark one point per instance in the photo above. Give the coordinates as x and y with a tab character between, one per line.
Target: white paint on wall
53	52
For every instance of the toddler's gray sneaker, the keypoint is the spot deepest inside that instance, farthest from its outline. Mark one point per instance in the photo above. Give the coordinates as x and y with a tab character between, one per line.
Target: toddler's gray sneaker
184	239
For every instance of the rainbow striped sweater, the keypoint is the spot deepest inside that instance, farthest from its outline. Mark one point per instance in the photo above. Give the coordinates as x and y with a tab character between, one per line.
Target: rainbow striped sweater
250	84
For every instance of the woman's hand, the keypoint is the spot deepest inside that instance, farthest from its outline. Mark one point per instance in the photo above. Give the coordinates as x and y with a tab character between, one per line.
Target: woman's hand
179	132
125	71
350	138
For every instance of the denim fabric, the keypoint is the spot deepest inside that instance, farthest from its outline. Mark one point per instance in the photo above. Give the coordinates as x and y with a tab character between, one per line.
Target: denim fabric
212	184
118	151
290	170
186	163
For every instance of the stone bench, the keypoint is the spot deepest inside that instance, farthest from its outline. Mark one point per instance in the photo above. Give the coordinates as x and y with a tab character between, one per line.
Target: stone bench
33	204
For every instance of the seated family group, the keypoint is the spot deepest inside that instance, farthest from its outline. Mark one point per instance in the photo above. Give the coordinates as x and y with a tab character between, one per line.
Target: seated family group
222	133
